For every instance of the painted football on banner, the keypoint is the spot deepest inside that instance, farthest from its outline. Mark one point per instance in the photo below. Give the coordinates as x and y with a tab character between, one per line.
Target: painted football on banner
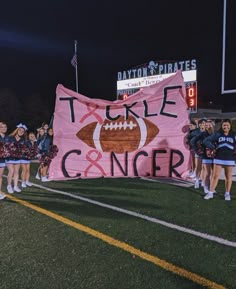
119	136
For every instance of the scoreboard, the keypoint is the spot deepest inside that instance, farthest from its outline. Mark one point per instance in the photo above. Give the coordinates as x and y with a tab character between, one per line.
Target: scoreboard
132	80
191	96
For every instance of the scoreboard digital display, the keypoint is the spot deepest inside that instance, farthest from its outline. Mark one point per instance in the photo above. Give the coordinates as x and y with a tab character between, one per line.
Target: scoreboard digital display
133	80
191	96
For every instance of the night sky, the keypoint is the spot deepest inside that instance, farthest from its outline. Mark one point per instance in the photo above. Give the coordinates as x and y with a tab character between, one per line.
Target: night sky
37	44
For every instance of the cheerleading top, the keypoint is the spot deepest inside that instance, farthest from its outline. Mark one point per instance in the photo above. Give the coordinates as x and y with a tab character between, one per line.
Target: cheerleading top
29	143
44	144
198	145
224	145
191	134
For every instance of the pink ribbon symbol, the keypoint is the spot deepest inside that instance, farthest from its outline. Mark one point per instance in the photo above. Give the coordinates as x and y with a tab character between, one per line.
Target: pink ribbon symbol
92	112
94	162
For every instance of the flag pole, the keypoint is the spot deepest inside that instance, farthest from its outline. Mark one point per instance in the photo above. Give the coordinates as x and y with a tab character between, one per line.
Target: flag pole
76	67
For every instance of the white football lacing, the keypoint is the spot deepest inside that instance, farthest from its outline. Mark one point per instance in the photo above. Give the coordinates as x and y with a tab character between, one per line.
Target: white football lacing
120	125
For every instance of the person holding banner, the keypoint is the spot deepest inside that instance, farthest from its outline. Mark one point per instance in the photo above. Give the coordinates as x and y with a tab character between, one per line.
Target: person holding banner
223	143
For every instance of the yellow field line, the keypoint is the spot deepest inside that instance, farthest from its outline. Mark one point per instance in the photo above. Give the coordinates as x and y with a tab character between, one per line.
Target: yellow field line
130	249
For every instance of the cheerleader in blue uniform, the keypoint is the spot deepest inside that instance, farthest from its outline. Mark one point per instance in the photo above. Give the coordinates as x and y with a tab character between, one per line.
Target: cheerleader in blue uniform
31	144
201	150
44	150
3	139
207	159
198	152
25	159
193	131
224	143
13	162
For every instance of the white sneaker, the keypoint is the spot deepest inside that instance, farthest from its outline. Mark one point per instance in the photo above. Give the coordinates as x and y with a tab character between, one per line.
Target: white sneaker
17	189
45	179
23	185
2	196
196	185
208	196
9	189
192	175
37	176
28	184
206	190
227	197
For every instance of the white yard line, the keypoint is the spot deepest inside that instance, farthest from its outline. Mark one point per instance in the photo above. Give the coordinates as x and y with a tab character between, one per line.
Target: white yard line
144	217
170	181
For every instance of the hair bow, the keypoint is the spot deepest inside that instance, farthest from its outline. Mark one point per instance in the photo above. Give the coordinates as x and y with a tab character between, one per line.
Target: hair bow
22	126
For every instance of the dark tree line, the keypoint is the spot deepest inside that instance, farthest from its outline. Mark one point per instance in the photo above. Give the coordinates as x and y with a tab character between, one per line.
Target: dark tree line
31	110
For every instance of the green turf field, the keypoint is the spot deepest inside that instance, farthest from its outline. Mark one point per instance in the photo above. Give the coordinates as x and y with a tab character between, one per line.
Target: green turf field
116	234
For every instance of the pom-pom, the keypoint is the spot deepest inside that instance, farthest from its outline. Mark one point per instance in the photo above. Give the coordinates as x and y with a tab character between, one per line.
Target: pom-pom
210	153
13	150
45	159
2	151
33	151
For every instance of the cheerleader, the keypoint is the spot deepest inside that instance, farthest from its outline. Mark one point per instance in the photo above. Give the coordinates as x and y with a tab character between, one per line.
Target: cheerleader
3	139
194	143
44	154
223	142
13	162
207	160
193	131
30	153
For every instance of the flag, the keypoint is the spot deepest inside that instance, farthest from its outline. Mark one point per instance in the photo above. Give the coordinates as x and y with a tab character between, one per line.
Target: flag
74	60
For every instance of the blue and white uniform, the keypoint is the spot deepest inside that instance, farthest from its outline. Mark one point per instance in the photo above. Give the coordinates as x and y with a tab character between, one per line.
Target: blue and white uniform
44	144
199	146
196	143
191	134
225	148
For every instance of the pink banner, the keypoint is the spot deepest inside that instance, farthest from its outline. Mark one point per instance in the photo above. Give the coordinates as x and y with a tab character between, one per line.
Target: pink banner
140	136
